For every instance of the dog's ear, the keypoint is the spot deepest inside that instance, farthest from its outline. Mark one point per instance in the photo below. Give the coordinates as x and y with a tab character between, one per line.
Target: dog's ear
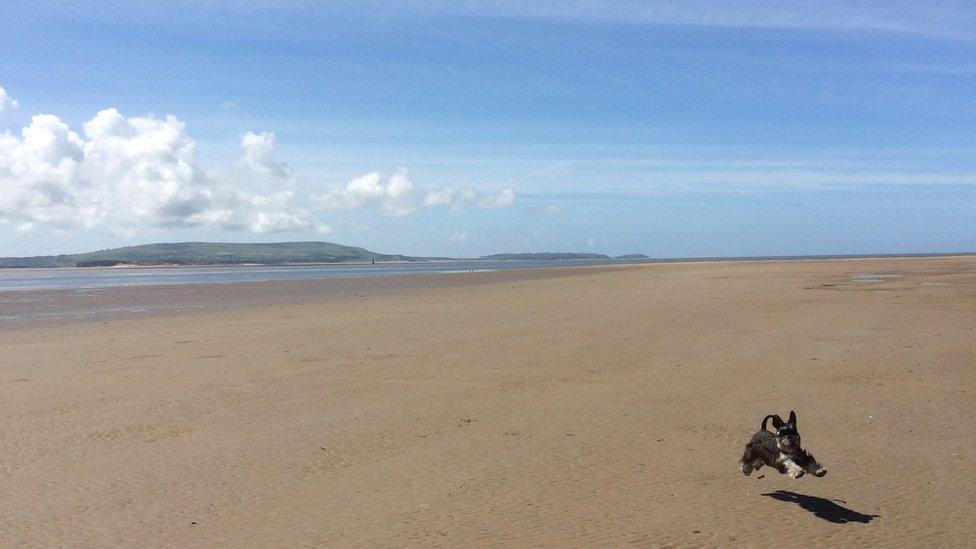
792	420
777	422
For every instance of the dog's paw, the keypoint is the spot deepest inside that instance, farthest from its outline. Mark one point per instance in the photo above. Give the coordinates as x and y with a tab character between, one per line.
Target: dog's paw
795	473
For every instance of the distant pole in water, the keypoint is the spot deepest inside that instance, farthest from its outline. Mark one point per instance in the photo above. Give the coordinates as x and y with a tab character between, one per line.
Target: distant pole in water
373	260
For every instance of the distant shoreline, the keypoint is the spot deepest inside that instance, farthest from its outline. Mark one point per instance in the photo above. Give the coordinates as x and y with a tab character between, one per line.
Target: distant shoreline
37	304
622	261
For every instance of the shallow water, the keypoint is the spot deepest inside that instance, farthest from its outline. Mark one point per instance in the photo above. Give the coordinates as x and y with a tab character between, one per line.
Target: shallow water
872	278
41	296
96	278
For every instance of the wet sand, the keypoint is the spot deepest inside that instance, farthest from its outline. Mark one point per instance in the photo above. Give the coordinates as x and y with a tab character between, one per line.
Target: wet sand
25	308
582	407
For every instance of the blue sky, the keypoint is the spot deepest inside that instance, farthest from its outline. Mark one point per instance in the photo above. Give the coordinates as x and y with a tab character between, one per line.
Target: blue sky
464	128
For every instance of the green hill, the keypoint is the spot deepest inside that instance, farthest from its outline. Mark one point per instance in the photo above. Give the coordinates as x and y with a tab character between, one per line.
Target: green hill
208	253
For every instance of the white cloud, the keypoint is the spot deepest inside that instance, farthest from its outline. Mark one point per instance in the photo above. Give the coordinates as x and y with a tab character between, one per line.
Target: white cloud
396	197
460	237
553	209
439	197
501	199
399	196
258	148
7	102
125	175
466	196
591	242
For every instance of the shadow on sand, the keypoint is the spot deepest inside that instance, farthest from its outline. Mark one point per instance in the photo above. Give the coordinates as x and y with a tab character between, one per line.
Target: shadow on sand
826	509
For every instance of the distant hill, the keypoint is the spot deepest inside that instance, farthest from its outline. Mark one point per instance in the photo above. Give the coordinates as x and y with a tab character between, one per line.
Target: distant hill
544	256
221	253
207	253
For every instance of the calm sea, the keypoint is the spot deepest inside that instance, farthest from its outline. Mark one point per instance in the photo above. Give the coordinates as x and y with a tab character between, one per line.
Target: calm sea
92	278
39	295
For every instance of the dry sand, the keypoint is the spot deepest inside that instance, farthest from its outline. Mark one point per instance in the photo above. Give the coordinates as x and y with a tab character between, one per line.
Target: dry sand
599	409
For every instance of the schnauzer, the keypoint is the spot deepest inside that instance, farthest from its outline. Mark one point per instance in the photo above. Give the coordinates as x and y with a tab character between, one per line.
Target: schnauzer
780	450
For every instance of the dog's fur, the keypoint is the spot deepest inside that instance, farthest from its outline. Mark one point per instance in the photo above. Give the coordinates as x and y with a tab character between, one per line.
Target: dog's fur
780	450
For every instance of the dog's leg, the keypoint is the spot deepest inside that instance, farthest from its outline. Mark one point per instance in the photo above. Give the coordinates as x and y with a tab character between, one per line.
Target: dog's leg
792	469
753	458
745	464
811	466
745	467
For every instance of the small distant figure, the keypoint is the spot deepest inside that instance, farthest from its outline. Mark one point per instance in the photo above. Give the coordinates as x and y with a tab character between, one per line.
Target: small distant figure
373	260
780	450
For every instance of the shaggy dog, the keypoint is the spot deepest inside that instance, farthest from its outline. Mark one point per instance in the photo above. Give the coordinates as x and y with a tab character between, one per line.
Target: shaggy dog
780	450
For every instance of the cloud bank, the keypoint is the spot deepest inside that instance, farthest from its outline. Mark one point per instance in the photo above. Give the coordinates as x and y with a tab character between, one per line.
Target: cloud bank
126	174
123	175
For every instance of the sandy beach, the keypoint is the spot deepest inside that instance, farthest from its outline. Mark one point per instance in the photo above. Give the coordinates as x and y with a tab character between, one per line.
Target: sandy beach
584	407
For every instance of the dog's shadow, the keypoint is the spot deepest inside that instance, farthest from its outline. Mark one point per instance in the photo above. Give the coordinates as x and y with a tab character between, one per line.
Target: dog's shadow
826	509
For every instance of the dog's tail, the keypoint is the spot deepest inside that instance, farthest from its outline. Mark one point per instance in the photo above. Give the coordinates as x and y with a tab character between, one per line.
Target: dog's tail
777	421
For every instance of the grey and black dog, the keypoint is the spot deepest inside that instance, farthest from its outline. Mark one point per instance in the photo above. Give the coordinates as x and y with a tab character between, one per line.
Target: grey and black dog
780	450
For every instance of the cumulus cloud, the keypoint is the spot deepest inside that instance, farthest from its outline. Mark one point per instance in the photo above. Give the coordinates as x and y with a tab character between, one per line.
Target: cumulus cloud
460	237
396	197
124	175
7	102
258	149
439	197
399	196
502	199
466	196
